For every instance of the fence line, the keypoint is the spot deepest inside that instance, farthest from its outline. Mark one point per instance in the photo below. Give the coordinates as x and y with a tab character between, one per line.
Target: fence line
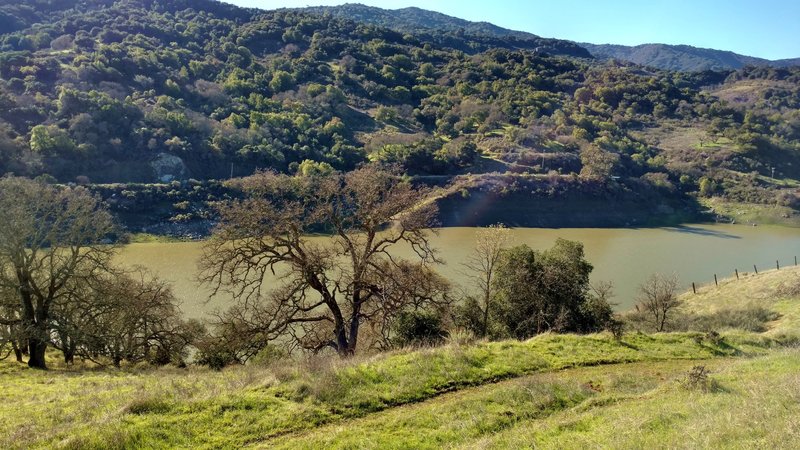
736	272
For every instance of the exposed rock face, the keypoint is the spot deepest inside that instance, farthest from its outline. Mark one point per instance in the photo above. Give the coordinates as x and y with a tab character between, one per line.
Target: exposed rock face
169	167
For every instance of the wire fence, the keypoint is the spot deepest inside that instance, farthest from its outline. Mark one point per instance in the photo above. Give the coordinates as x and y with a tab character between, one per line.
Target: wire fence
736	273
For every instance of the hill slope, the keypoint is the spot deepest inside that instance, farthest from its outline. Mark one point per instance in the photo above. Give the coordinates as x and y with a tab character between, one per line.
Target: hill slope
421	21
682	57
172	90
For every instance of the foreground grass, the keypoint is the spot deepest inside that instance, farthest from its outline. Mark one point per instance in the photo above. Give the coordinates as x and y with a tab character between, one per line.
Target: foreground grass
241	406
753	404
748	404
468	416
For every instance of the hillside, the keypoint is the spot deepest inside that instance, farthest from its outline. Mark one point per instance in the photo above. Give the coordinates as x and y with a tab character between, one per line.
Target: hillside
549	391
180	93
659	56
682	57
448	30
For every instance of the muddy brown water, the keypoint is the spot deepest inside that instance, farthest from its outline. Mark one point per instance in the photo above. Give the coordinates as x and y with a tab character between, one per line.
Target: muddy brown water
624	256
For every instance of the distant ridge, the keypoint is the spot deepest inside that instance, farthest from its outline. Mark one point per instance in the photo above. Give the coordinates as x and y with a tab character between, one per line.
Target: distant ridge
683	58
420	21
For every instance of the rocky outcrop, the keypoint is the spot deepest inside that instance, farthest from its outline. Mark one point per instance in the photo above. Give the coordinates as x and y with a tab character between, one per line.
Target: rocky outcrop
169	167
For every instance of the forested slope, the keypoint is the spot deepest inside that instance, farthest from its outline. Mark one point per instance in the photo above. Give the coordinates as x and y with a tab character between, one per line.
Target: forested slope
149	90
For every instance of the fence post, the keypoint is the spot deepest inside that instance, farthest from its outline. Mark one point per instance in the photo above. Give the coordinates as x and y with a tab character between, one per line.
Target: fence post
715	280
795	260
755	268
777	265
694	289
737	273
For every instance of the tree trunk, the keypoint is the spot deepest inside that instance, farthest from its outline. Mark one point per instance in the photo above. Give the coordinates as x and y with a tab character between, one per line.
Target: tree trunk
17	350
37	347
69	353
485	324
342	343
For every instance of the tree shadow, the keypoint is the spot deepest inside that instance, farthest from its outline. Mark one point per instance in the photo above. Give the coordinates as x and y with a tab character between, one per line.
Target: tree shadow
702	232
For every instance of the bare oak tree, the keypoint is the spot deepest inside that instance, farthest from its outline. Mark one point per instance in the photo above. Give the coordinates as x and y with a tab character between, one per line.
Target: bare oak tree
481	267
658	300
51	239
130	316
327	288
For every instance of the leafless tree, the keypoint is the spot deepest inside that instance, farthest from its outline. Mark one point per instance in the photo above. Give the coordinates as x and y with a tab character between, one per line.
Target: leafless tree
327	288
51	239
657	300
122	317
481	267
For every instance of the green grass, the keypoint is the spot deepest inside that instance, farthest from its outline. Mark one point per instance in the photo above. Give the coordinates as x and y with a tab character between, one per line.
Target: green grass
752	213
752	403
552	391
472	414
769	289
756	404
236	407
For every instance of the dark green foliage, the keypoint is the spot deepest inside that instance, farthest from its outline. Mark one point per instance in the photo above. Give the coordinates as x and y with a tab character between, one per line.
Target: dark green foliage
548	290
469	316
419	328
101	89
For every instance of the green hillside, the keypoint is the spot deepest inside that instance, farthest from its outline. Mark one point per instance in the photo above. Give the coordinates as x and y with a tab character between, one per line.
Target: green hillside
173	91
659	56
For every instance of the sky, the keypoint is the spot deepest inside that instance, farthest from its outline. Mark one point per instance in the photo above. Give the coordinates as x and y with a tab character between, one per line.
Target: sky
764	28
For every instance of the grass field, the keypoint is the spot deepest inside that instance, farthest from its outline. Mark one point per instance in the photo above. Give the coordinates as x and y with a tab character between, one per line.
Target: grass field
751	213
553	391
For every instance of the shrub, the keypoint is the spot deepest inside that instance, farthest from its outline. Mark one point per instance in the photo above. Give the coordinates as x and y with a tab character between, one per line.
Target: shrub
616	327
714	337
269	355
419	328
698	380
215	353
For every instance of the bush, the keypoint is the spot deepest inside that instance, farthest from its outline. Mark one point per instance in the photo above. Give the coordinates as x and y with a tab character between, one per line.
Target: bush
698	380
216	353
549	290
419	328
269	355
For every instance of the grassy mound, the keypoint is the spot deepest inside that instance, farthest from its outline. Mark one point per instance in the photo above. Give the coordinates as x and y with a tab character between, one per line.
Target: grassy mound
776	291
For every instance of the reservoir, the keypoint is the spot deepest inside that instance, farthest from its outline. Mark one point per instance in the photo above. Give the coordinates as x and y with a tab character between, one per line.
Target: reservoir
624	256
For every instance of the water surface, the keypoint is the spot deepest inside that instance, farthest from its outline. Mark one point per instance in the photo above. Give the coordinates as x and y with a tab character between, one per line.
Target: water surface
624	256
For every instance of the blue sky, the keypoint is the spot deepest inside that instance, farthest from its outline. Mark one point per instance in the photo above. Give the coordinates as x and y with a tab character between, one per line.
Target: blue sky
765	28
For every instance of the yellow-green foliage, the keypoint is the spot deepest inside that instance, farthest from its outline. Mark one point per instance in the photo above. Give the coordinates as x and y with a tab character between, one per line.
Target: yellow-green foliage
756	405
